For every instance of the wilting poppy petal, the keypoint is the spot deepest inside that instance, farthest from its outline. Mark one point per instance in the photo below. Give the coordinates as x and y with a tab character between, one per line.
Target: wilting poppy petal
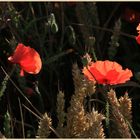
107	72
28	59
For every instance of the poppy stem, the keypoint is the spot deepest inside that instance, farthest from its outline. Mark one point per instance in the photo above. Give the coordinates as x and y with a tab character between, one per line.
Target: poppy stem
22	120
38	117
51	128
106	29
94	55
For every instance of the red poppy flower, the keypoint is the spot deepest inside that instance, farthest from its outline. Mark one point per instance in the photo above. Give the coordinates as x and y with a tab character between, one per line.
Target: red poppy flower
107	72
138	28
138	39
28	59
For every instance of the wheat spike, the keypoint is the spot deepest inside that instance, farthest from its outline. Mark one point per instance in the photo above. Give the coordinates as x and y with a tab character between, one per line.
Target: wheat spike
121	126
80	81
76	120
126	107
95	127
44	126
79	124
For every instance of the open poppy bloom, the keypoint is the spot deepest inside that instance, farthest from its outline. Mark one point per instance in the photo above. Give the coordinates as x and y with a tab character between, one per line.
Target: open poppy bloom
107	72
28	59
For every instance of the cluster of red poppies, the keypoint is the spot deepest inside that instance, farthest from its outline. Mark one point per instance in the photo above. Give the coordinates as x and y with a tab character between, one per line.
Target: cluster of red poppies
102	72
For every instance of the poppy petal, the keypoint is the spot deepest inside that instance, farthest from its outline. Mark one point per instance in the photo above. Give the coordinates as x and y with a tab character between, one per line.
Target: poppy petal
111	76
138	39
32	64
19	53
107	72
88	74
97	74
28	59
99	65
21	72
124	76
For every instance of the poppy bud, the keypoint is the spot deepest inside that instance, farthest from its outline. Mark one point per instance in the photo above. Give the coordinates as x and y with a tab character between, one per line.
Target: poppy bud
54	28
71	35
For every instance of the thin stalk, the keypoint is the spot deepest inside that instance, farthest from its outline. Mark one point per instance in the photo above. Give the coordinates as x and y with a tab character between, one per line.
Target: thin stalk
20	91
97	100
11	118
108	20
62	27
51	128
22	120
132	130
36	29
13	31
107	114
94	55
106	29
31	111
